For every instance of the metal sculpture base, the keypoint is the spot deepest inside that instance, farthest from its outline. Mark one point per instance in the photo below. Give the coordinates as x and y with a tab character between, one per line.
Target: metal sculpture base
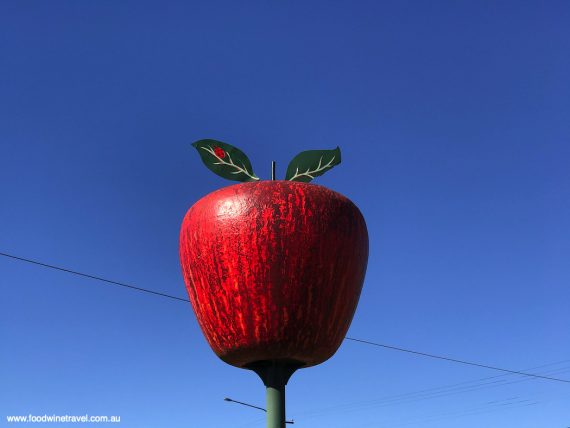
275	375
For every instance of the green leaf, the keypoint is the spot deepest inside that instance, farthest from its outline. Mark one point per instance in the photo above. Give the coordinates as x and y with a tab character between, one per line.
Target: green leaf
225	160
312	163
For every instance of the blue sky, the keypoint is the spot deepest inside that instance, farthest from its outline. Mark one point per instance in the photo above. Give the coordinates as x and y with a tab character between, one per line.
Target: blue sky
453	120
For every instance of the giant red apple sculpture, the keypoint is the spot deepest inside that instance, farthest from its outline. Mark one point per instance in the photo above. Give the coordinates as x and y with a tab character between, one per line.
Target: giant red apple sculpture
273	269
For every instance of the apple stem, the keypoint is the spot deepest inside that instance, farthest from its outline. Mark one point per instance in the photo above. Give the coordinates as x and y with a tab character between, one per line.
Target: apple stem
273	170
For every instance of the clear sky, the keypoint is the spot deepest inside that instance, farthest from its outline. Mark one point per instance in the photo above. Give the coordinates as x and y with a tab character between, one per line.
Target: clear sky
454	123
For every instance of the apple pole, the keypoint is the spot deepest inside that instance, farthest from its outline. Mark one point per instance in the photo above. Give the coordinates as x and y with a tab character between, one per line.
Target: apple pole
275	396
275	376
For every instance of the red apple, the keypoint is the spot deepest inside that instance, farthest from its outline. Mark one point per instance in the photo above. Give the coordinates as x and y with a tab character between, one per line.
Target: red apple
274	270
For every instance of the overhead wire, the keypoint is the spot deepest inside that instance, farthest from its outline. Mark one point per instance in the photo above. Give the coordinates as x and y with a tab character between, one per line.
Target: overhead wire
97	278
455	360
474	411
169	296
426	394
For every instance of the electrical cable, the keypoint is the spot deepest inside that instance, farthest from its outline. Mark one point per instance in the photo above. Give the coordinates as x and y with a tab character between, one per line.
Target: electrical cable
413	397
454	360
98	278
395	348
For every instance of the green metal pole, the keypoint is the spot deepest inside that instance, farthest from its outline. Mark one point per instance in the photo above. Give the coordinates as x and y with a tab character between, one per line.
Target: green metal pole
275	376
275	395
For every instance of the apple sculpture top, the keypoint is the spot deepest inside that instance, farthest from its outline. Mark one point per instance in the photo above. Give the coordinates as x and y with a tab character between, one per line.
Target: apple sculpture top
273	268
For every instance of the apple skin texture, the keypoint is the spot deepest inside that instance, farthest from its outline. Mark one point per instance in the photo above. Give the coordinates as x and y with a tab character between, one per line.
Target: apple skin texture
274	270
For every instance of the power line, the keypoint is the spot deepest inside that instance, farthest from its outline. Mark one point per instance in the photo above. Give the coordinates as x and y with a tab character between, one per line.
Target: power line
440	391
454	360
395	348
475	411
98	278
427	394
